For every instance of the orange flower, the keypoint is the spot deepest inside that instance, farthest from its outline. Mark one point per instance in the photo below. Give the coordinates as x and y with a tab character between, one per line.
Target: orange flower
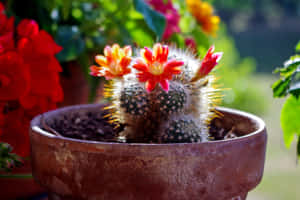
154	67
114	63
203	12
210	60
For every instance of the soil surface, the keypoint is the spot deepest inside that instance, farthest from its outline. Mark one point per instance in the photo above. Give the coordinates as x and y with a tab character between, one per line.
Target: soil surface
95	127
86	126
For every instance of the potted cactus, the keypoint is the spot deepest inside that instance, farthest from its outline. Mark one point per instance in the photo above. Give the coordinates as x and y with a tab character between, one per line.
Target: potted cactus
161	136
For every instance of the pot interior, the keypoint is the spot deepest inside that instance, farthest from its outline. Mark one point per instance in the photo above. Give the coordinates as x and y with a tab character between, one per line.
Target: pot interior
229	121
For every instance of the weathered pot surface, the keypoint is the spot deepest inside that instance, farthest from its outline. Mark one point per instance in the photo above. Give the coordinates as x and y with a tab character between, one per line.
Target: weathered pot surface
217	170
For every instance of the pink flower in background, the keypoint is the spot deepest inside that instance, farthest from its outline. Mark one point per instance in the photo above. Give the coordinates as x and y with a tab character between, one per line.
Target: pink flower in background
191	44
171	14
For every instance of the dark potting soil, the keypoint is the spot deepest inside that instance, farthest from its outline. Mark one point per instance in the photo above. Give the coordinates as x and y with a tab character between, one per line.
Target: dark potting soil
86	126
95	127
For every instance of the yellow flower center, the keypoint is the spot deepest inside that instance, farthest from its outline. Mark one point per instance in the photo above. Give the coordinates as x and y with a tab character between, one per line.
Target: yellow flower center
114	68
156	68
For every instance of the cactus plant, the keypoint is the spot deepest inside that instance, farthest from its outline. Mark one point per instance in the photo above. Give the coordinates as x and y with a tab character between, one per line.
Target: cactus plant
160	95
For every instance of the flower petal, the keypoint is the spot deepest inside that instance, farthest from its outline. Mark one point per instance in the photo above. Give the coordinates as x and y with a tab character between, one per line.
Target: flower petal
164	84
165	53
108	53
172	64
124	62
96	71
116	51
217	56
140	66
157	51
127	50
150	85
101	60
147	55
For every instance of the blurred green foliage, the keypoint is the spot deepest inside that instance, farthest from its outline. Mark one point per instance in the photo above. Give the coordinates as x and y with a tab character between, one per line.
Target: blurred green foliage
8	160
238	77
289	85
83	28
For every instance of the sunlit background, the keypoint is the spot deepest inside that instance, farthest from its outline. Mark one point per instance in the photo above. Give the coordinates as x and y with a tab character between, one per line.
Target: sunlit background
267	31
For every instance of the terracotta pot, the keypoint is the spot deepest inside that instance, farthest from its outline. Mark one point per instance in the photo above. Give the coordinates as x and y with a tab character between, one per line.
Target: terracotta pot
19	184
218	170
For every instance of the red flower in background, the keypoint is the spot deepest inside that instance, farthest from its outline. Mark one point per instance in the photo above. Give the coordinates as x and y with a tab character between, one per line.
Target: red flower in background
1	7
171	14
28	28
14	76
6	31
38	50
29	79
154	67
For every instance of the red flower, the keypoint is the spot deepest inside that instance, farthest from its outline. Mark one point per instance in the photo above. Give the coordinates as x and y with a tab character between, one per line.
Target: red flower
39	49
15	132
29	79
154	67
1	117
114	63
28	28
39	104
6	33
14	77
1	7
210	60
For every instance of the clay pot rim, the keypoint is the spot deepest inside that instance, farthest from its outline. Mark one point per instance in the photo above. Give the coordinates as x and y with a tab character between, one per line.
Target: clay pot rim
259	125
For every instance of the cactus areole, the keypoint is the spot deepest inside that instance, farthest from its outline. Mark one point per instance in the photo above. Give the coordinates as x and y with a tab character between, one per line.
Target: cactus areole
159	95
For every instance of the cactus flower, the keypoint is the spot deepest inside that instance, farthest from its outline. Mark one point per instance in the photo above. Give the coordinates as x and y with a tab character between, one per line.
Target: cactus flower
154	67
114	63
210	60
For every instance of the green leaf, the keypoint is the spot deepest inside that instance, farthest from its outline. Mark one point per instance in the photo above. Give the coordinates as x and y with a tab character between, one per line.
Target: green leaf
298	46
141	34
201	39
154	20
295	90
289	68
71	40
8	160
280	87
289	119
295	84
298	147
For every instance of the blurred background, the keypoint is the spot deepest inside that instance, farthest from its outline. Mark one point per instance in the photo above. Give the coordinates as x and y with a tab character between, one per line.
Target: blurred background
256	36
267	31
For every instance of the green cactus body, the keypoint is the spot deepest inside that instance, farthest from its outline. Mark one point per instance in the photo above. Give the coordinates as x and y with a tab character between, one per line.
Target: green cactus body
179	115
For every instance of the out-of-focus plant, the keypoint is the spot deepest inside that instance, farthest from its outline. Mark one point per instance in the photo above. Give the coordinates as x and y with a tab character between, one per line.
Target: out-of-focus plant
289	86
29	79
8	160
237	74
83	29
